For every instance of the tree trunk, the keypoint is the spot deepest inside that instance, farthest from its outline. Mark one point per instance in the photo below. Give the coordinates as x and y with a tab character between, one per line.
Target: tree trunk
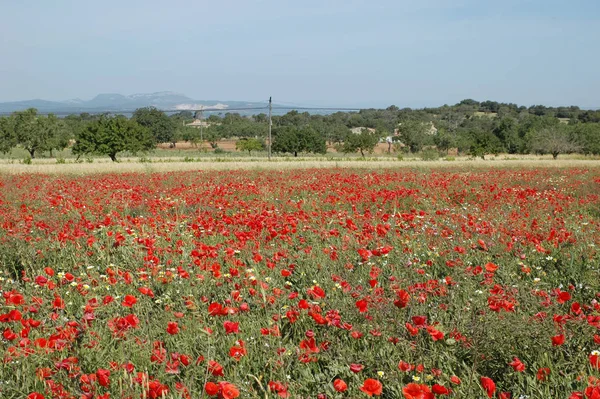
31	152
50	152
113	157
554	155
295	153
362	154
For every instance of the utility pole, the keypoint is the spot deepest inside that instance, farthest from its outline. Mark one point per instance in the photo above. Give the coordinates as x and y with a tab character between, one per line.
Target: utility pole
270	123
201	127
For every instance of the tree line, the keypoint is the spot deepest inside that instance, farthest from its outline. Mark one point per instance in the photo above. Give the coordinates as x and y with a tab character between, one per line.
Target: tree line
470	127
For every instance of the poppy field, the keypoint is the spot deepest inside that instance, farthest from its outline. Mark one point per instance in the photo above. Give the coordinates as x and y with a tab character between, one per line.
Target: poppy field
338	283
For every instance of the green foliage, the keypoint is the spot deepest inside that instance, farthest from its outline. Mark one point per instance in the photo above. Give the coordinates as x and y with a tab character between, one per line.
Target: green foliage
444	140
414	134
430	154
111	135
188	133
35	133
7	137
337	133
554	140
250	145
157	122
483	143
363	142
295	140
587	135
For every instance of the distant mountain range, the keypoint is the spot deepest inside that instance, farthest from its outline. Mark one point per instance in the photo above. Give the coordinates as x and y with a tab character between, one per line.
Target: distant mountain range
113	102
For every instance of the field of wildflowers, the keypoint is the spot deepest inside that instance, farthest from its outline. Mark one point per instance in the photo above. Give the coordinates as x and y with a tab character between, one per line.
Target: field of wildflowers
301	284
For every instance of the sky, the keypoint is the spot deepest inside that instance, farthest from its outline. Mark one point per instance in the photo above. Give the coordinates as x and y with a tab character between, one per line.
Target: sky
306	52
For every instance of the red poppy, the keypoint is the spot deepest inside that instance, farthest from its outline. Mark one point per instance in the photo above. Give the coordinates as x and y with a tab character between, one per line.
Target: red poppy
417	391
372	387
211	388
419	321
103	377
35	395
356	368
215	368
592	392
488	385
490	267
517	365
403	299
339	385
440	390
563	296
172	327
228	390
543	373
279	388
362	305
231	327
129	301
404	366
435	334
558	340
595	361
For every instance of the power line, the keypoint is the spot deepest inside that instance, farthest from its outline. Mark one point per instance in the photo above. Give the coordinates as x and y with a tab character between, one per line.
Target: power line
320	108
131	111
171	111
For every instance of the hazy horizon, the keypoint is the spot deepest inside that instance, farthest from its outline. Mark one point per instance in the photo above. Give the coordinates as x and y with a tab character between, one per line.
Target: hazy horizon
351	53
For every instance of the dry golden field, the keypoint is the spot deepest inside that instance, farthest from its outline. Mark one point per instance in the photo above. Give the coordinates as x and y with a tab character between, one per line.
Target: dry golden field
49	166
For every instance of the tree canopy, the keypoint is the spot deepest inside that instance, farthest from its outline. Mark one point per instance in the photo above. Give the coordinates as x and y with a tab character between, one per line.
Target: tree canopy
363	142
111	135
157	122
294	140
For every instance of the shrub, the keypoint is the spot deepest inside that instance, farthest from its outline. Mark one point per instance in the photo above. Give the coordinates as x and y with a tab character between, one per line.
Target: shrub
430	154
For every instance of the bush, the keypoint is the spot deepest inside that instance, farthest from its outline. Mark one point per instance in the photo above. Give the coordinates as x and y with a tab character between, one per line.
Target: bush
60	160
430	154
26	160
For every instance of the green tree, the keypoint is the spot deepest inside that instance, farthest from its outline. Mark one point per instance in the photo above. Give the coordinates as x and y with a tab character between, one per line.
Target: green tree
212	136
554	140
249	144
58	131
157	122
507	132
588	136
295	140
483	143
111	135
363	142
413	133
187	133
7	137
444	140
261	118
338	133
34	132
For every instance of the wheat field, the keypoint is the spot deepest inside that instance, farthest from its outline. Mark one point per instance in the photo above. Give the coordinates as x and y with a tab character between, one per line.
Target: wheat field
131	165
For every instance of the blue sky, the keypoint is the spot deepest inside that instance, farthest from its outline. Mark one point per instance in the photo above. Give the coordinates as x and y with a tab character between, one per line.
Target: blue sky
326	52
